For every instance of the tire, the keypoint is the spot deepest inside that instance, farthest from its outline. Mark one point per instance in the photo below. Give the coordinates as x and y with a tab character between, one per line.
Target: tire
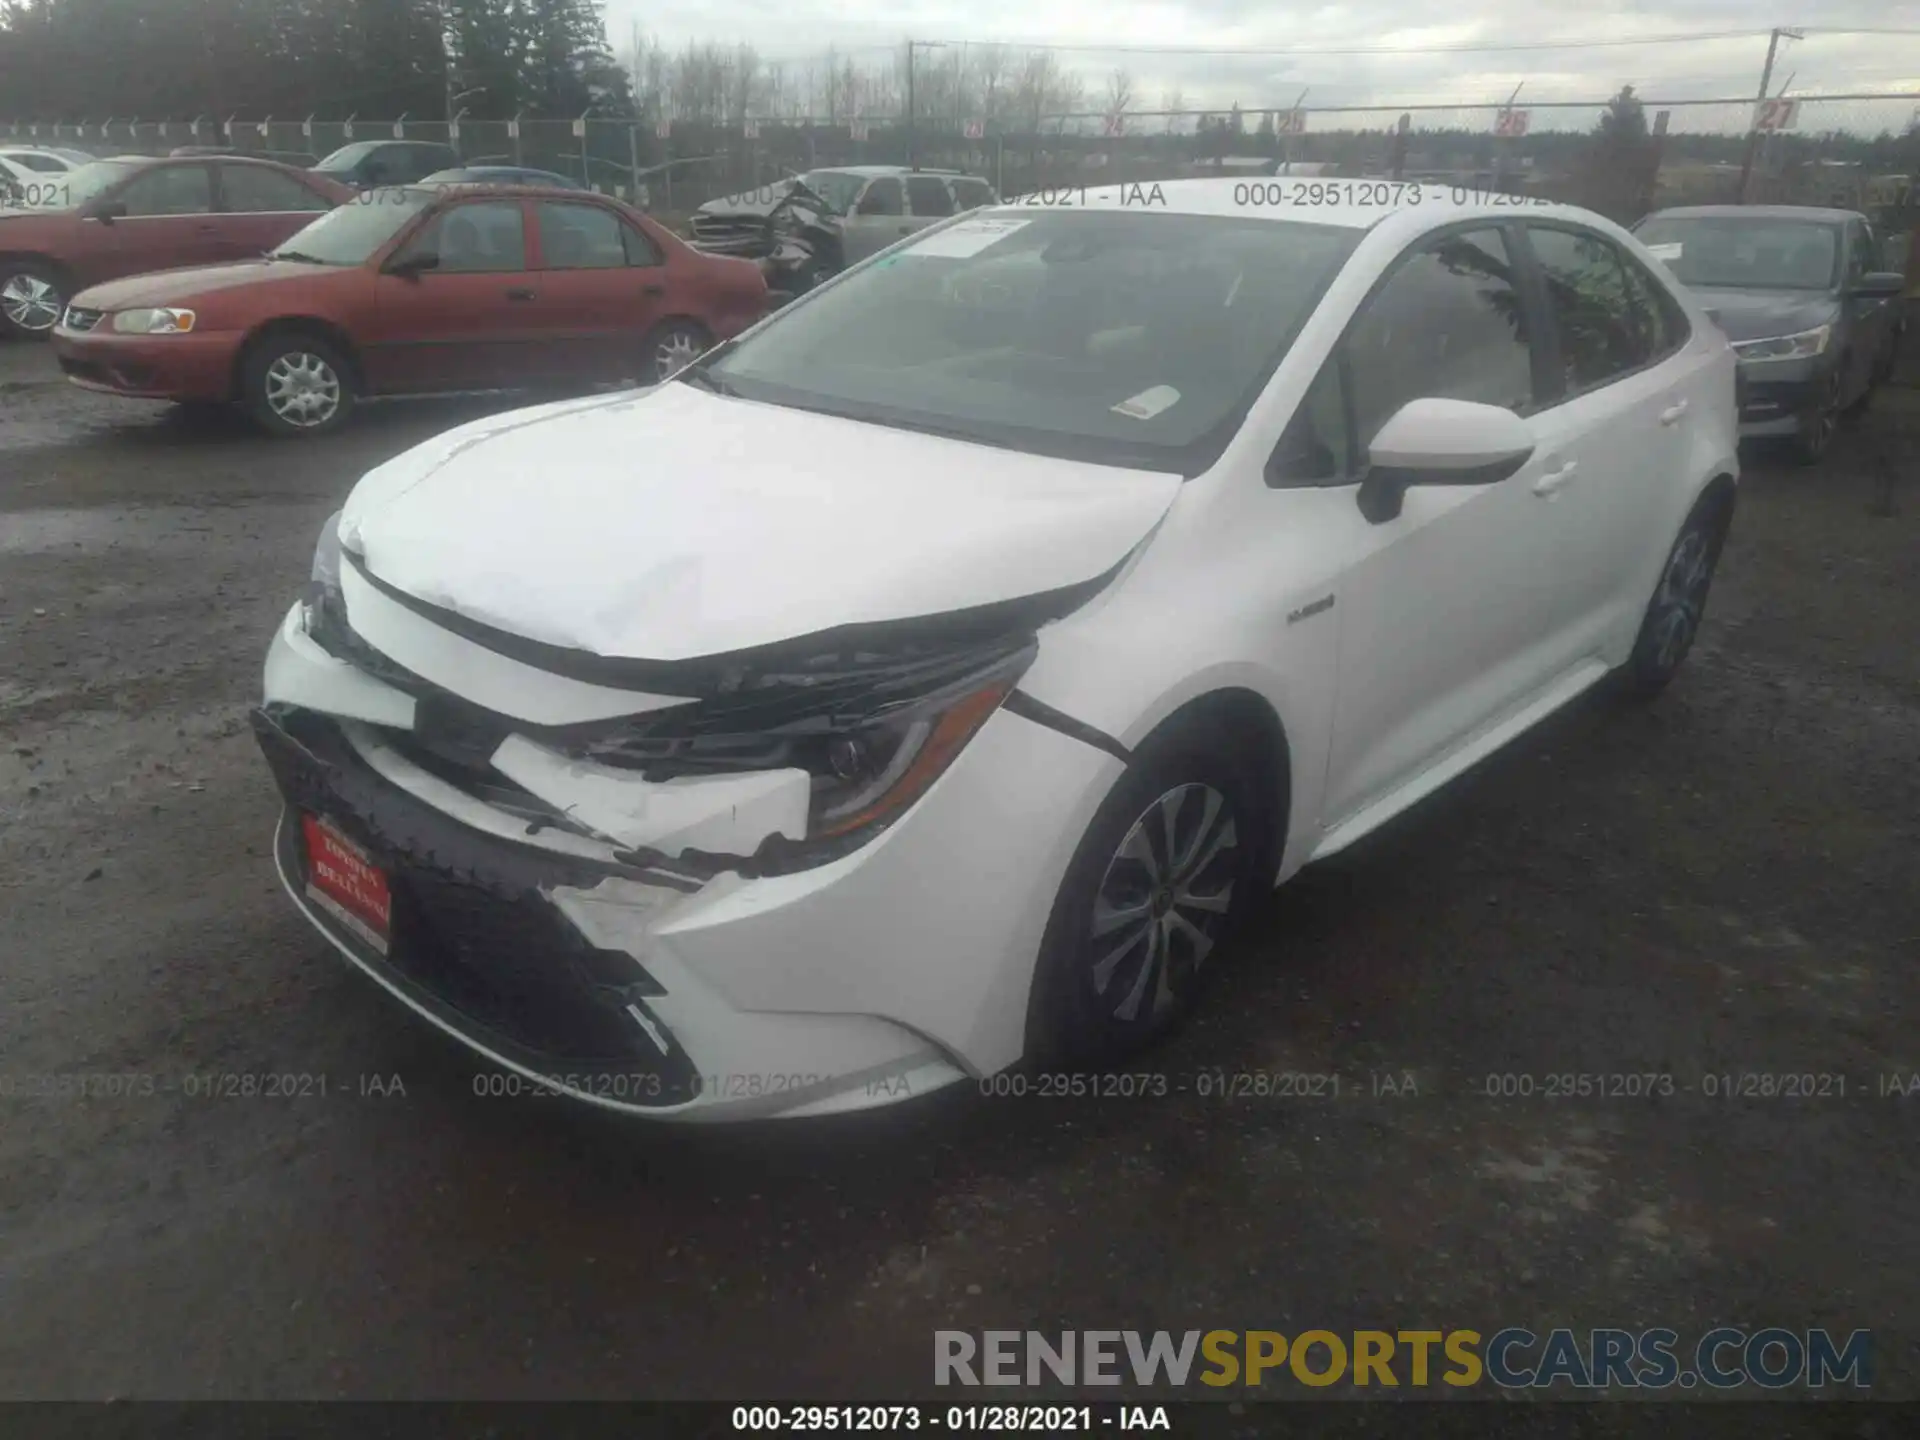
296	384
33	296
1104	987
1814	438
1673	616
670	346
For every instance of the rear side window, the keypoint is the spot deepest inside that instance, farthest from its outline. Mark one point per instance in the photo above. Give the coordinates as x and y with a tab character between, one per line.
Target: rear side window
580	237
170	190
1447	324
256	189
882	198
1601	328
928	195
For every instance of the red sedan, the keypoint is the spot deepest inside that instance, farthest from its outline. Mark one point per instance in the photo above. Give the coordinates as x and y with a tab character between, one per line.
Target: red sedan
132	215
416	291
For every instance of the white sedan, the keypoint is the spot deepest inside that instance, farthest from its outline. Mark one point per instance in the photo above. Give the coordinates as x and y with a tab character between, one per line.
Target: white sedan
924	683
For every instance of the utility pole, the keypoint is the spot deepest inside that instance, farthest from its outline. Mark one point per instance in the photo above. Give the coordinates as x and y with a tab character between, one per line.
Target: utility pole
1753	127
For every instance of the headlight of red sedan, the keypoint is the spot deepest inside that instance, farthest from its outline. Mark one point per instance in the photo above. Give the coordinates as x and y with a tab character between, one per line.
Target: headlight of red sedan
162	321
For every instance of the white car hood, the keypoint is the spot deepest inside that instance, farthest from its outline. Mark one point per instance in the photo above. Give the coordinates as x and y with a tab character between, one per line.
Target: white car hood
674	524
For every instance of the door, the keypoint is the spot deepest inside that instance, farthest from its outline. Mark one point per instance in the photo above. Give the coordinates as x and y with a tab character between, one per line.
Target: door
1452	614
168	223
260	207
1627	407
879	218
467	323
600	287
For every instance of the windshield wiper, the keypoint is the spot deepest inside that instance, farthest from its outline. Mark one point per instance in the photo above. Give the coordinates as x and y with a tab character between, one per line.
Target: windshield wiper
299	257
700	372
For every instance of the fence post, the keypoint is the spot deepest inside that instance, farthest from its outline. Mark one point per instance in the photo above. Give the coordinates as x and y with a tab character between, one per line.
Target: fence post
633	162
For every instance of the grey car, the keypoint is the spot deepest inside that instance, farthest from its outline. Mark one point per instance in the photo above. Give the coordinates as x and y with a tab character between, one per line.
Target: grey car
1814	319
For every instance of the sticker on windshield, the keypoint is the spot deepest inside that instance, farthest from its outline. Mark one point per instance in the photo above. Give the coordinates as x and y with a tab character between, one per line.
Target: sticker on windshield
1148	403
969	237
1669	251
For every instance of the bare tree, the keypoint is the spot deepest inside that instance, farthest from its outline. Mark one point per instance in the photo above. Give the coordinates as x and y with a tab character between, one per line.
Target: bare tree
1119	94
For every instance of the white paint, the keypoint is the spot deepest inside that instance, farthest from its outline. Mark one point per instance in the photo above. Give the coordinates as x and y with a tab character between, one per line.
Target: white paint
969	237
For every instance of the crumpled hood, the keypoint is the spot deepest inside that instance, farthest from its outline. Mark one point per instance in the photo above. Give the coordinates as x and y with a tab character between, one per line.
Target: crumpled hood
175	287
1760	314
675	524
749	202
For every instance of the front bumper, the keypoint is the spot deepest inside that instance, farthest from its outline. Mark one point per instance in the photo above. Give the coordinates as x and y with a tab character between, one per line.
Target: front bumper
891	971
151	367
1776	396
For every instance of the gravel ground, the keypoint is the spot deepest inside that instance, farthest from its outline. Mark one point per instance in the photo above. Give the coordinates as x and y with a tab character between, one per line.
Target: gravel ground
1724	882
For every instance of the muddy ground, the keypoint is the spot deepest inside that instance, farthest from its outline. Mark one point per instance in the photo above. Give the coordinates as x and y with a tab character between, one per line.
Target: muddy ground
1726	882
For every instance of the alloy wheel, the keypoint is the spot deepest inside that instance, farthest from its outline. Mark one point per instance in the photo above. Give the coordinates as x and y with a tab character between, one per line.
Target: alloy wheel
30	303
676	350
302	389
1822	424
1682	597
1163	902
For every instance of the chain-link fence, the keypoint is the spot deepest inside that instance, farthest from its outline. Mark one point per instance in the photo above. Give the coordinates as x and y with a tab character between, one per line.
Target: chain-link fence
1856	151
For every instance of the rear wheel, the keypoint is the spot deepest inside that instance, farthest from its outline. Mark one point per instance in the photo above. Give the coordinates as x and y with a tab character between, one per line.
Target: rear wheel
32	298
295	383
670	347
1673	615
1170	863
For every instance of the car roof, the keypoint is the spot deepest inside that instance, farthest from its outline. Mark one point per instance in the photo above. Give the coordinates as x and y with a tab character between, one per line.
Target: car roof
879	170
1757	212
1362	205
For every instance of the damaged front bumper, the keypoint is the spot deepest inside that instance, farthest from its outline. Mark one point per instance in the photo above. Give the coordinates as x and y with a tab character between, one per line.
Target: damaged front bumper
693	985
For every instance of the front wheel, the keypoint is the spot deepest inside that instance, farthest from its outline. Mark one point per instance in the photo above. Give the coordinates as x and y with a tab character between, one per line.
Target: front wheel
297	384
670	348
1170	863
32	298
1815	436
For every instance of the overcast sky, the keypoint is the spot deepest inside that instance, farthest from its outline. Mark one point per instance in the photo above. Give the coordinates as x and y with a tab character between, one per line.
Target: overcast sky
795	29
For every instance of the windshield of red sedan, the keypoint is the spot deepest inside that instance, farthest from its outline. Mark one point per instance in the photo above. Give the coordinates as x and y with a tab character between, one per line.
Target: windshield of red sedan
1122	338
353	233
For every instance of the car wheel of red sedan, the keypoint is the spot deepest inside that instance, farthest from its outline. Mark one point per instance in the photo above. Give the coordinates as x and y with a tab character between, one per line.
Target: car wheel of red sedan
672	347
31	299
298	384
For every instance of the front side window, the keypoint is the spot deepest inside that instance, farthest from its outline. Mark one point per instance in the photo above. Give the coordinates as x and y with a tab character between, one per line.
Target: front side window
882	198
579	237
1448	324
170	190
482	238
1859	253
1602	332
1314	450
928	195
1122	338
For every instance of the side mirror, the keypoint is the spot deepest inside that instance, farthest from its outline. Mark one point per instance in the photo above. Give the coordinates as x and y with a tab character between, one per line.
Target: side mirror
1879	285
411	267
1440	442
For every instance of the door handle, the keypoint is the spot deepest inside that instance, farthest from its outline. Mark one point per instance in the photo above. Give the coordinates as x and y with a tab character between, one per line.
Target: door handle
653	289
1673	412
521	294
1551	483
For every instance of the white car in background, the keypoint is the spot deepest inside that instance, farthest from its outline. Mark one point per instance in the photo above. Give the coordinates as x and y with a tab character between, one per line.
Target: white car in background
924	682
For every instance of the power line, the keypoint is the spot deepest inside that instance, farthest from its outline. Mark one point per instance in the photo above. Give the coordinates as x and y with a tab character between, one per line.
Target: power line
1617	42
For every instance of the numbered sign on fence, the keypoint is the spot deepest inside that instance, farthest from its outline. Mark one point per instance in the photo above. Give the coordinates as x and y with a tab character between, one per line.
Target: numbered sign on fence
513	129
263	129
346	130
750	129
453	130
306	129
1777	114
399	129
580	129
976	130
1511	123
663	129
858	130
163	129
231	133
1290	122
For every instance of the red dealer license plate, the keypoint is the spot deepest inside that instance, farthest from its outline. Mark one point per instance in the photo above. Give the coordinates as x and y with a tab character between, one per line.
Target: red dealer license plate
341	881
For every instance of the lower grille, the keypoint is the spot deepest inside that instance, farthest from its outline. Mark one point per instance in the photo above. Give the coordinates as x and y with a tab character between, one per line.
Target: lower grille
742	235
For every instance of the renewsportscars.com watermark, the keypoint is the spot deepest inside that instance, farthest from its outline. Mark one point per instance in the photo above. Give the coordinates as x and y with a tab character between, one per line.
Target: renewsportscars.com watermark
1724	1358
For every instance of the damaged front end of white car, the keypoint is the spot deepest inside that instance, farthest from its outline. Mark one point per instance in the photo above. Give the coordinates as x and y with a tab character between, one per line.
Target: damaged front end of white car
679	886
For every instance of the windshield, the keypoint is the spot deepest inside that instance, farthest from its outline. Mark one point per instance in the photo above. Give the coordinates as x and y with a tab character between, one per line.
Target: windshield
1121	338
76	187
347	156
836	187
1735	251
354	232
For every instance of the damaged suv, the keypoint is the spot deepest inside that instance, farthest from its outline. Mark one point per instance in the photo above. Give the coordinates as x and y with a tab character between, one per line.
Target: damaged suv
924	681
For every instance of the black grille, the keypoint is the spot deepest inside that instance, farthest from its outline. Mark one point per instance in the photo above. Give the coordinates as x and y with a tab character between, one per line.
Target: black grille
81	321
744	235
